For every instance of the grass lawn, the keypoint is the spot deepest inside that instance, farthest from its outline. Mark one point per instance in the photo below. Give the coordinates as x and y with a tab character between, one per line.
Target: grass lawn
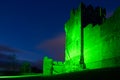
96	74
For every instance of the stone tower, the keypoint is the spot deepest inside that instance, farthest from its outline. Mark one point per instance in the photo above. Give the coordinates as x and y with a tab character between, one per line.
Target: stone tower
74	29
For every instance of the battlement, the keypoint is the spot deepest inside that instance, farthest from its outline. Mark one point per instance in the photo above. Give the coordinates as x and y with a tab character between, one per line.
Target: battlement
89	14
58	63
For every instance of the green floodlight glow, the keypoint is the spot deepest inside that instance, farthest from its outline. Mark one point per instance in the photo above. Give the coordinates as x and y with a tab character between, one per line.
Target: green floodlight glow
92	45
73	39
23	76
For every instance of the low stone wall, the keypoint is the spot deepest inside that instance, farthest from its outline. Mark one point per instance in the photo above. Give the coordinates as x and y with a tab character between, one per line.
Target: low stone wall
58	67
47	66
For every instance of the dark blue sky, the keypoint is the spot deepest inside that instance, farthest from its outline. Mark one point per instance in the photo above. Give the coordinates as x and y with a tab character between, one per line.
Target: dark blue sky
36	27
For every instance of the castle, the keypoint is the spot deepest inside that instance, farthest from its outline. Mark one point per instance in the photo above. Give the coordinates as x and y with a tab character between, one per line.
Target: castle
91	42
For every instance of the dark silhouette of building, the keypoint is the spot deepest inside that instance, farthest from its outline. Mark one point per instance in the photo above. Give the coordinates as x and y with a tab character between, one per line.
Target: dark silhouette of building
92	15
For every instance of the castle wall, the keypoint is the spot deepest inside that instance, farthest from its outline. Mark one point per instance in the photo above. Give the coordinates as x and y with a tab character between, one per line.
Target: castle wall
72	46
47	66
110	31
92	46
58	67
101	44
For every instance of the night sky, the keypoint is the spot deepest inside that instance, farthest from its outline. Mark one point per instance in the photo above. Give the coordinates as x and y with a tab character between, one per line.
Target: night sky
33	29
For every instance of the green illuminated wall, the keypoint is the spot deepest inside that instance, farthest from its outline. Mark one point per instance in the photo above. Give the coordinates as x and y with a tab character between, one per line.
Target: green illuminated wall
72	46
102	43
47	66
110	33
58	67
92	46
